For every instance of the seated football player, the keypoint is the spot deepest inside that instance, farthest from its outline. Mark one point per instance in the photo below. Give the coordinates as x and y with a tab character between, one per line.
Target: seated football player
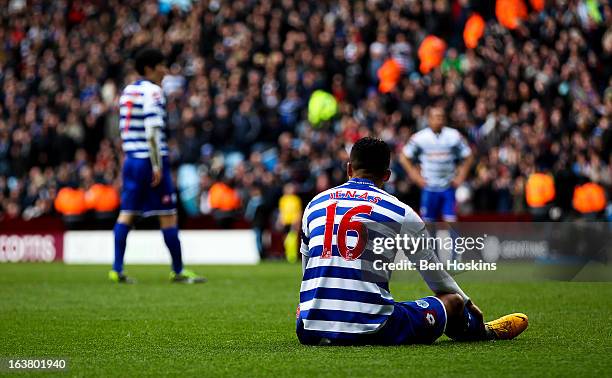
344	296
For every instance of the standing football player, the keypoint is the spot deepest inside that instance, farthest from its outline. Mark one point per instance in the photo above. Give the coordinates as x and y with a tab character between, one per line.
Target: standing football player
344	296
147	182
438	160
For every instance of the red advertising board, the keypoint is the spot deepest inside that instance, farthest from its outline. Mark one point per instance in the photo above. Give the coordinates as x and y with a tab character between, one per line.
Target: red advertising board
45	246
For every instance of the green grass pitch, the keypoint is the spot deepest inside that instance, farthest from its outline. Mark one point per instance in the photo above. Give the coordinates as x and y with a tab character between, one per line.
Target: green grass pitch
241	323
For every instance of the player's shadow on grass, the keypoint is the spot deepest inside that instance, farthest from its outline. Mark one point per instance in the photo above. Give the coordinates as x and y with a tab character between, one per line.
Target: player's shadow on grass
448	342
444	343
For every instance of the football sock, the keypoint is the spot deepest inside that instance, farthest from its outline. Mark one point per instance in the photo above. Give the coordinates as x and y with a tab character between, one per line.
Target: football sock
470	330
121	232
174	246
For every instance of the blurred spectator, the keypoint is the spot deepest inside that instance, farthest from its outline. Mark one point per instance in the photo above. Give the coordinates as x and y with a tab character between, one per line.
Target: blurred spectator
290	214
255	213
224	202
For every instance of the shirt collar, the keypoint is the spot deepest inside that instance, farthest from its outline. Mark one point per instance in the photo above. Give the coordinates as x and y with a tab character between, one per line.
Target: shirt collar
362	181
142	79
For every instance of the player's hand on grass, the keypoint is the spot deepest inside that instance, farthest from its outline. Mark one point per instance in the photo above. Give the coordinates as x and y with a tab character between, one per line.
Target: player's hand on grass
156	177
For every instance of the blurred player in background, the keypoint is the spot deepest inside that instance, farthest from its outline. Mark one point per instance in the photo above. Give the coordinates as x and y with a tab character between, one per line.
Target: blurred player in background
438	160
345	299
147	182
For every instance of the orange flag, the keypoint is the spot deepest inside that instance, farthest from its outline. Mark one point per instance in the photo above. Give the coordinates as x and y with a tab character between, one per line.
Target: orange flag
537	5
70	201
510	12
103	198
473	31
431	53
589	198
389	75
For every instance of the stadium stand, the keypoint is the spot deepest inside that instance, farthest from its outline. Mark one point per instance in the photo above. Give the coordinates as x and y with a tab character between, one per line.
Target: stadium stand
537	92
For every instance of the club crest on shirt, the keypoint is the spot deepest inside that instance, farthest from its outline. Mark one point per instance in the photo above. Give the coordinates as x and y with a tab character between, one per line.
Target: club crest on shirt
421	303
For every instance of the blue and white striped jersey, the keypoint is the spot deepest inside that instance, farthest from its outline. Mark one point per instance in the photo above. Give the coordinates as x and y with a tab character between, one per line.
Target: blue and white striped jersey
342	293
141	106
438	155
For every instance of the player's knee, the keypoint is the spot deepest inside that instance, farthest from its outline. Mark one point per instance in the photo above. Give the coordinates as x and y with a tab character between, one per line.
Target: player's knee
125	218
169	220
453	303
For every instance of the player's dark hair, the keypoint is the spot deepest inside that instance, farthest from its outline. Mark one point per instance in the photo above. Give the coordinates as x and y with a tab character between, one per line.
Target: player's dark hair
148	57
371	156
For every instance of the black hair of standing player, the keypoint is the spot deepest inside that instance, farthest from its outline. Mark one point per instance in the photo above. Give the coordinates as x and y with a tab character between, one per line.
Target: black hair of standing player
370	157
148	57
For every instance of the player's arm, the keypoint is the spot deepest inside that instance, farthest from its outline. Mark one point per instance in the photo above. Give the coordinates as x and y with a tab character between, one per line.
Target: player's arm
409	158
438	280
414	172
305	240
153	124
467	159
304	263
153	135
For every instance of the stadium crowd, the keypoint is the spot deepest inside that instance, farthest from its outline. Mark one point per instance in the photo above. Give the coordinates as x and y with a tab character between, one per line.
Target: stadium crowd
241	72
